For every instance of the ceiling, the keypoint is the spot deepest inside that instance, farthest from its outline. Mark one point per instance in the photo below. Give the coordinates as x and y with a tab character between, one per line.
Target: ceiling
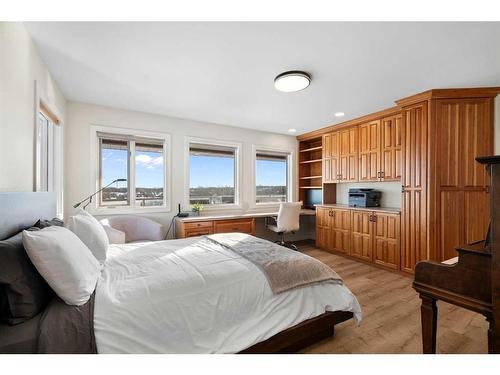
223	72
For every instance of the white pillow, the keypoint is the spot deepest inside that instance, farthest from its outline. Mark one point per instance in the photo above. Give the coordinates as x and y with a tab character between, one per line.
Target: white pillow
64	261
91	232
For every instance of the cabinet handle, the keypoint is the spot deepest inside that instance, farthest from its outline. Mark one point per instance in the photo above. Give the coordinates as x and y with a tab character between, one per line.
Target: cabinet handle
487	188
374	218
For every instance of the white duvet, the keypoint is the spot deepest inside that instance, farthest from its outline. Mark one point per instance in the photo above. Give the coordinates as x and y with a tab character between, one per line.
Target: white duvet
193	296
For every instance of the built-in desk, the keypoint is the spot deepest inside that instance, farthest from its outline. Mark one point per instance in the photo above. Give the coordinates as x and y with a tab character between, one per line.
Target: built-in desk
203	225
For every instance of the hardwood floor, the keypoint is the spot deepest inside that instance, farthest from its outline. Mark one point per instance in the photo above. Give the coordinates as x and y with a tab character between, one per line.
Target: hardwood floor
391	315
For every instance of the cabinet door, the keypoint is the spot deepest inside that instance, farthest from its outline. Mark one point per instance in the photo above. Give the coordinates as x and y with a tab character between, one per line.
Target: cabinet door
348	155
386	240
462	207
323	228
414	183
341	224
369	151
331	149
361	235
390	153
327	145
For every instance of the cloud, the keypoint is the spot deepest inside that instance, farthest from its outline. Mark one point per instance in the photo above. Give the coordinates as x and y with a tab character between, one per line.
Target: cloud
149	162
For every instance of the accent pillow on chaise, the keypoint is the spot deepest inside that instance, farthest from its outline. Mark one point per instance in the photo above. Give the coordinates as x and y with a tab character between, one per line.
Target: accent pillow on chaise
64	261
90	232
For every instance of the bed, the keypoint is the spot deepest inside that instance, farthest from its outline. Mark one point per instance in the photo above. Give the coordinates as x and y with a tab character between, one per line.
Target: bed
176	296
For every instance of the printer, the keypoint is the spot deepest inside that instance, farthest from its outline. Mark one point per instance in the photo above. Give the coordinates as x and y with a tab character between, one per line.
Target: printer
364	198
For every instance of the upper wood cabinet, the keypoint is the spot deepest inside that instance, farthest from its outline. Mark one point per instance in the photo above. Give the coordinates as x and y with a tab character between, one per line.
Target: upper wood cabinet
348	155
340	156
369	151
390	154
380	149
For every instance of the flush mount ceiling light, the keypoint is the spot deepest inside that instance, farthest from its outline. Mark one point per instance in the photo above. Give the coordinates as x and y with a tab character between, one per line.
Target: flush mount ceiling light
292	130
339	114
291	81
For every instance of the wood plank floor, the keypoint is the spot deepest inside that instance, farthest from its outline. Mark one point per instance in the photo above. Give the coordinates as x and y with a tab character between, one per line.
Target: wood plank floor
391	315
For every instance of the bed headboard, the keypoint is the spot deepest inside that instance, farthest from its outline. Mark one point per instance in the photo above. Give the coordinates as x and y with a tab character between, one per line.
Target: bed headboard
22	209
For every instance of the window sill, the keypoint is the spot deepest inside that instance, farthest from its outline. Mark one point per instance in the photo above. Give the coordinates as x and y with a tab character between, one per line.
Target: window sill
128	210
222	207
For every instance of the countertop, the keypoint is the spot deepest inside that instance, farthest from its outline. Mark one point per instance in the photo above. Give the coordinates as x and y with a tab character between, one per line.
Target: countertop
391	210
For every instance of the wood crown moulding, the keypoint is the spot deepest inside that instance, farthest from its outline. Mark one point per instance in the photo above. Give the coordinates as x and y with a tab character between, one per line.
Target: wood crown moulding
476	92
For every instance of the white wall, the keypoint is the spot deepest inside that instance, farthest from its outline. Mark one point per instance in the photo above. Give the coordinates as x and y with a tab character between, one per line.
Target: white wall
79	118
20	67
391	192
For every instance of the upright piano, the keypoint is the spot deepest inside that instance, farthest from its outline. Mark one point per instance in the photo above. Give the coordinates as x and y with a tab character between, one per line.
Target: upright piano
472	281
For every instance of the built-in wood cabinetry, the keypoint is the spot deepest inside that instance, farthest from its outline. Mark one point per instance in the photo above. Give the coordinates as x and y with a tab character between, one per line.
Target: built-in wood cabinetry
444	202
429	142
363	234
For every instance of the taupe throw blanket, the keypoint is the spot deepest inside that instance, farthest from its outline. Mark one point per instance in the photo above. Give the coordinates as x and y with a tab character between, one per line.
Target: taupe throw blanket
285	269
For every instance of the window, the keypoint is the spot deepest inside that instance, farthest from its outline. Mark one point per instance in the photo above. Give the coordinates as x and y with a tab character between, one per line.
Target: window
271	177
213	174
132	171
48	163
44	144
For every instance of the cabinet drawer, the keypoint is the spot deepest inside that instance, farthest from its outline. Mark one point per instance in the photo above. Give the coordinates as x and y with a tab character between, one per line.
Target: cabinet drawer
198	225
226	226
198	232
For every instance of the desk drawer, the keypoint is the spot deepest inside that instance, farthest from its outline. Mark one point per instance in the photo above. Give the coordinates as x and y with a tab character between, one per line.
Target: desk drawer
198	232
198	225
241	226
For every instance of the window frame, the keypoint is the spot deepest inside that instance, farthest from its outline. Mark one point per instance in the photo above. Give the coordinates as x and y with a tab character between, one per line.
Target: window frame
95	152
55	148
237	173
289	174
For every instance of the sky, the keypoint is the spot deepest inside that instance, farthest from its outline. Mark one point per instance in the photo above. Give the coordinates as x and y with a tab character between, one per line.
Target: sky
148	168
204	170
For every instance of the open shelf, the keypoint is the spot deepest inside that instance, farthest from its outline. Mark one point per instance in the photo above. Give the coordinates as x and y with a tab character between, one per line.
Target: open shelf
311	161
310	169
317	148
310	177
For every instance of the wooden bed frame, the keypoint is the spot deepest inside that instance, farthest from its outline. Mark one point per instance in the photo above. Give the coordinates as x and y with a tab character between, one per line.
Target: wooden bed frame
301	335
